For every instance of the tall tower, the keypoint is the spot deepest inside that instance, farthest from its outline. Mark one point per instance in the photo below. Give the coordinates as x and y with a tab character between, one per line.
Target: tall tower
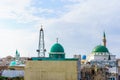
104	39
41	46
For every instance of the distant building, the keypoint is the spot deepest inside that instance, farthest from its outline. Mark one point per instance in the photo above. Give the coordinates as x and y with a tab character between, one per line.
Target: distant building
118	64
101	52
17	61
101	62
77	56
15	67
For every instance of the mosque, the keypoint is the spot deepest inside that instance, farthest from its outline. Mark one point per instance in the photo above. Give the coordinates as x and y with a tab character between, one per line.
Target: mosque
101	52
54	67
101	62
100	55
16	61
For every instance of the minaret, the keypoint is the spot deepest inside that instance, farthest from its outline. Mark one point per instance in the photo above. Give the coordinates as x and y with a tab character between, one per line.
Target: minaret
41	46
17	56
104	39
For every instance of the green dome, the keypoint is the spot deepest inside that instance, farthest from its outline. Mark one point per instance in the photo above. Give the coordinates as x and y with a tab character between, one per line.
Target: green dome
13	63
100	48
57	48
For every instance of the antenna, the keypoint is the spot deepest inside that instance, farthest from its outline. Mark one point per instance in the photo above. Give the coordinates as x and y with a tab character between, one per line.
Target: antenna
41	46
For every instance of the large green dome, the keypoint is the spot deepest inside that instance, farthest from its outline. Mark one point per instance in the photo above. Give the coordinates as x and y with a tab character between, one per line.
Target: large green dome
57	48
100	48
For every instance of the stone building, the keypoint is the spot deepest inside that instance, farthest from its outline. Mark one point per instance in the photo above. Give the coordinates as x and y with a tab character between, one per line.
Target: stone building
54	67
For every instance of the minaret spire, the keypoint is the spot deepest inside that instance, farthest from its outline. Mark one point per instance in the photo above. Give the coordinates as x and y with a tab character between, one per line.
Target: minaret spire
41	28
41	46
57	40
104	39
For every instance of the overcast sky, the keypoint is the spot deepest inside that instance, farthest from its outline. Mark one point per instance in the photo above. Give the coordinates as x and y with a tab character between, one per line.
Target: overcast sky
79	25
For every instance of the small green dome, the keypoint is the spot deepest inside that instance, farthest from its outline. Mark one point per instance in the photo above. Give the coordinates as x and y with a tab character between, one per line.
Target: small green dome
57	48
100	48
13	63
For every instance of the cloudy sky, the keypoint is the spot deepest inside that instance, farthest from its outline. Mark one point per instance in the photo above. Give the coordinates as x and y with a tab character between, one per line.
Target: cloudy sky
79	25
